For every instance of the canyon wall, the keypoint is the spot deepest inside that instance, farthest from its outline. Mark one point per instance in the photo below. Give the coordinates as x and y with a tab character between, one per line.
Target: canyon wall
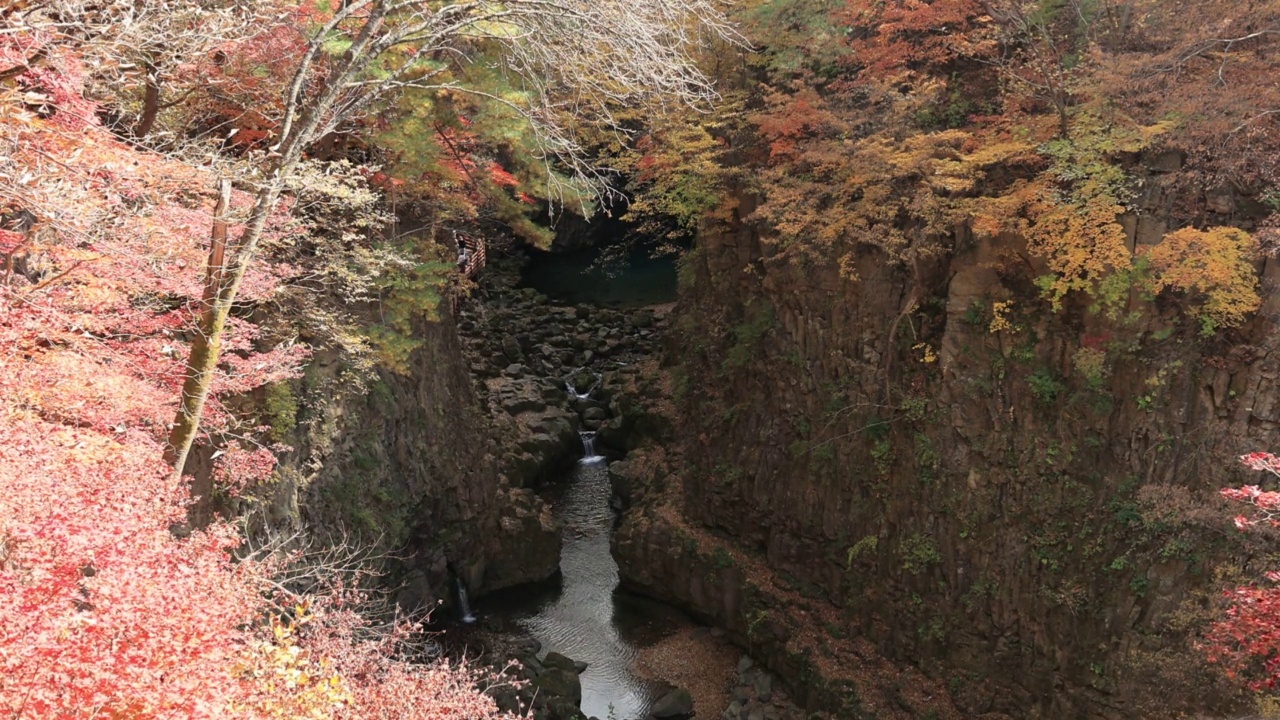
405	462
1015	499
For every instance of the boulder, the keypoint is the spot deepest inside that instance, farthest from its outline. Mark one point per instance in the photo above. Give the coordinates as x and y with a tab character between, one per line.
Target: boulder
560	662
594	414
674	705
511	349
641	319
526	546
557	683
620	482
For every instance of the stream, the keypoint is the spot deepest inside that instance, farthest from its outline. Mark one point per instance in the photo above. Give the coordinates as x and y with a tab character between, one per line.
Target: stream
582	321
587	617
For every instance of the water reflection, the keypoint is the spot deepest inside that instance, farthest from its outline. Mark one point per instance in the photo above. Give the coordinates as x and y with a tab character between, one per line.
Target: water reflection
586	617
642	279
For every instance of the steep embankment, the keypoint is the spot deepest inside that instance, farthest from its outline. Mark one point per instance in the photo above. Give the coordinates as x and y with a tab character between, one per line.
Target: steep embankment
953	482
408	459
976	323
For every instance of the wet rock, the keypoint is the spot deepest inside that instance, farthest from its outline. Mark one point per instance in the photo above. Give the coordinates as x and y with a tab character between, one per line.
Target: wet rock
526	546
558	683
641	319
563	709
674	705
560	662
594	417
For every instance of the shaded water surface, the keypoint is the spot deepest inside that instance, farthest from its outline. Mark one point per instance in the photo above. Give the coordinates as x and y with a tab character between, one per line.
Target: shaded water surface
586	618
573	277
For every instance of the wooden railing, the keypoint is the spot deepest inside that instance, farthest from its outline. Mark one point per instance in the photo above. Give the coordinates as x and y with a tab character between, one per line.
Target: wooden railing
471	259
471	256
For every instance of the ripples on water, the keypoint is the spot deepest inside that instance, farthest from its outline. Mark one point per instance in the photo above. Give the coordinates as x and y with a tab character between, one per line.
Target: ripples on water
587	620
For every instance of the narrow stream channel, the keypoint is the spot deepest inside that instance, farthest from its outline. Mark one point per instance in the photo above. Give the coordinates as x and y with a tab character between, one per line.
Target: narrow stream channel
588	618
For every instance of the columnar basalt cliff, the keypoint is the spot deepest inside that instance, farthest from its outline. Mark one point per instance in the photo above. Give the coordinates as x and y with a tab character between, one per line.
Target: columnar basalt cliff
406	461
980	315
942	465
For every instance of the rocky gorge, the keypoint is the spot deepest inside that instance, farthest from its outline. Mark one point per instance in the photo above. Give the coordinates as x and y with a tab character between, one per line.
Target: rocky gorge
907	484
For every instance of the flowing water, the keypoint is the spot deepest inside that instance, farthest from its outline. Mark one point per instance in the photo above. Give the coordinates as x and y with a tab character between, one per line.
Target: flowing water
587	618
464	605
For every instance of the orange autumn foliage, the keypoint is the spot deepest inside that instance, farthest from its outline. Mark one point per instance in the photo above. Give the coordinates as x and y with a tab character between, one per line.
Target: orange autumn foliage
1215	267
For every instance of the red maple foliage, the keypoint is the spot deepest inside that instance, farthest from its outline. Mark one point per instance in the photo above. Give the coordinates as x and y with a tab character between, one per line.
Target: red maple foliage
109	608
1247	640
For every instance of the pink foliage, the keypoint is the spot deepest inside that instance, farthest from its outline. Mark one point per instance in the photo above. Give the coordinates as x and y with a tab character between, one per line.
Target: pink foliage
105	611
1247	640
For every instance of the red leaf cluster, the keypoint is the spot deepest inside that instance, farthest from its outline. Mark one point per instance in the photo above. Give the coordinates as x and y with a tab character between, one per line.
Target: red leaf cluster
105	611
1247	640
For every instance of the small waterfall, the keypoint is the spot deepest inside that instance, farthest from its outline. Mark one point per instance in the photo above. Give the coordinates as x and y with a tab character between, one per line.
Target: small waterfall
463	604
589	454
573	391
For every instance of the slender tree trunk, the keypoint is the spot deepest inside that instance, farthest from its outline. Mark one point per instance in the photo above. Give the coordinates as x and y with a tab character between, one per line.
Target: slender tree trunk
150	104
203	360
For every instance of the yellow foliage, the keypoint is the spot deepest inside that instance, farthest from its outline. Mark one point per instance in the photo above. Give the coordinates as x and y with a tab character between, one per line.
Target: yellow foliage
292	684
1081	244
1000	318
990	216
1216	265
927	354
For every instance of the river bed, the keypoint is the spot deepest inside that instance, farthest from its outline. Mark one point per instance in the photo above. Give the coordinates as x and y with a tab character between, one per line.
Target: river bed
586	617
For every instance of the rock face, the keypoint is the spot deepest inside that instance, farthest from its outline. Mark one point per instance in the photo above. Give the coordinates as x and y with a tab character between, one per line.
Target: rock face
526	547
545	372
996	502
549	689
409	460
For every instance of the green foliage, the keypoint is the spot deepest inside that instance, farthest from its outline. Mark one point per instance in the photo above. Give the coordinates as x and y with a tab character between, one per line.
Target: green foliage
882	455
796	35
679	178
1045	385
865	545
918	553
949	112
747	335
1091	364
687	268
722	559
1076	224
464	159
279	410
410	294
